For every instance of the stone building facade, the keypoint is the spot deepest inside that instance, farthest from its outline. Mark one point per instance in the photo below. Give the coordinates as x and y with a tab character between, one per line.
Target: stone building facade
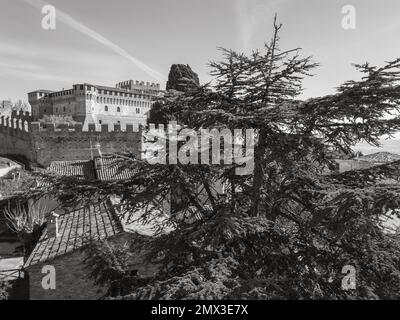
126	103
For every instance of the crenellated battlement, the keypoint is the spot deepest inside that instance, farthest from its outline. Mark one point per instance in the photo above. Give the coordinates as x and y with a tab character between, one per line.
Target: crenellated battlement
129	84
21	123
51	129
46	142
14	125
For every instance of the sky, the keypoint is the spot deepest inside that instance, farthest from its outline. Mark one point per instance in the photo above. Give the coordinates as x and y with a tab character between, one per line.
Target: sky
105	42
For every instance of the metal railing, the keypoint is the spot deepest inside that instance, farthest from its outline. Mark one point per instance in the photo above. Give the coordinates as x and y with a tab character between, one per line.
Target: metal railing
12	274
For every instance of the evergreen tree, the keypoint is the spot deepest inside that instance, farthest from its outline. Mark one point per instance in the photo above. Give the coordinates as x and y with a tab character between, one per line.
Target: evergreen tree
287	230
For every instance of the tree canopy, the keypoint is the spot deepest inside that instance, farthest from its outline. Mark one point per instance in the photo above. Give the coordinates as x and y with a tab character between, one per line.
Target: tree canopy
287	230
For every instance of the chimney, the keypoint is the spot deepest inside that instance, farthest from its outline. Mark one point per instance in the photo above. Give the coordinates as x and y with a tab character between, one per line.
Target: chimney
53	225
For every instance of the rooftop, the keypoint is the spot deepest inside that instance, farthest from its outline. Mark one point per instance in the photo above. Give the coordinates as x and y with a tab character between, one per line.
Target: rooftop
81	169
77	229
112	168
41	90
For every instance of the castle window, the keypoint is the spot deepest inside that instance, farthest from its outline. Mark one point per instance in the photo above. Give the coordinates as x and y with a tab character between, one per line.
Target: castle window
63	109
81	87
118	109
106	108
137	110
99	121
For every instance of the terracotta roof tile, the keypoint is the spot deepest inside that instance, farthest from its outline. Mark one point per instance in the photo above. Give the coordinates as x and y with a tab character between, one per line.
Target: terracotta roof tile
77	229
111	168
78	168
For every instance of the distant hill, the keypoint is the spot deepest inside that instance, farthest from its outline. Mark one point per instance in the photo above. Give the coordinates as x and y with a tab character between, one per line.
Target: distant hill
380	157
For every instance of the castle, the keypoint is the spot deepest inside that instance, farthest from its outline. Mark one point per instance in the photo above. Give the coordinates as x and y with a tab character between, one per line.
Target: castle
108	120
126	103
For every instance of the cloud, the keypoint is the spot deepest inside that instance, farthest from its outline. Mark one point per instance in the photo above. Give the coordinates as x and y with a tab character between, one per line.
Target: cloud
76	25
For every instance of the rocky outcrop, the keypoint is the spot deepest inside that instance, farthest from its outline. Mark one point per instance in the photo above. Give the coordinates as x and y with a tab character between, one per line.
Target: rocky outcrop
182	78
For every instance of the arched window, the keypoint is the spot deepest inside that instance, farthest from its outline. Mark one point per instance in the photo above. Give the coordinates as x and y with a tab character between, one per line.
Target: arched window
106	108
118	109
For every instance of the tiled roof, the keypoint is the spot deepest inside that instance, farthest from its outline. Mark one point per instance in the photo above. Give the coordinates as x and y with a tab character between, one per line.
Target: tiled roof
111	168
77	229
77	168
42	90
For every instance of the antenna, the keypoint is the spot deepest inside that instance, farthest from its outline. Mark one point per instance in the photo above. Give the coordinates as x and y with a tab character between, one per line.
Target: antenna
91	148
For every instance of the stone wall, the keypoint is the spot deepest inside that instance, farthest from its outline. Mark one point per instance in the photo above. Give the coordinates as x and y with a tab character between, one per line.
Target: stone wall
73	280
43	144
349	165
66	143
15	139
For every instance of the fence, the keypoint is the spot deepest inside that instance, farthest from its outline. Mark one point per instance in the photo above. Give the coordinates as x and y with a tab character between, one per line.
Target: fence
19	280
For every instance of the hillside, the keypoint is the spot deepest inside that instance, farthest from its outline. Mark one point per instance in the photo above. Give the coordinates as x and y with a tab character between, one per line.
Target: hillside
381	157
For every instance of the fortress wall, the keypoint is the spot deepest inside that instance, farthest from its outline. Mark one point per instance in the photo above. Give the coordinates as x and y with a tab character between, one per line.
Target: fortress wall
15	138
46	144
65	143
